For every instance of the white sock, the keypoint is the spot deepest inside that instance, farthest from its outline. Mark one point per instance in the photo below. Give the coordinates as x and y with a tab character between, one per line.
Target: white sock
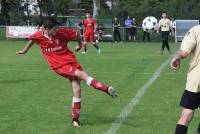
89	81
76	99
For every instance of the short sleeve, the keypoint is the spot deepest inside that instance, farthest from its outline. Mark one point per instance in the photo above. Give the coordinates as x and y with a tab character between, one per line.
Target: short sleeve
189	41
34	36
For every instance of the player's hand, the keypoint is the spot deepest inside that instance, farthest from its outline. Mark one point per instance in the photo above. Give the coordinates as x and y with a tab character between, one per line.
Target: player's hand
77	48
20	52
175	64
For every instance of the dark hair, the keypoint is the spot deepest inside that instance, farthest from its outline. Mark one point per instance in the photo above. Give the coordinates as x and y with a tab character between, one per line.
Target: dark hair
50	23
87	12
39	24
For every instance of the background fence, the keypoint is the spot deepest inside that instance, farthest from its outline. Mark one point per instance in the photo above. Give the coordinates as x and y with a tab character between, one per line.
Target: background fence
108	31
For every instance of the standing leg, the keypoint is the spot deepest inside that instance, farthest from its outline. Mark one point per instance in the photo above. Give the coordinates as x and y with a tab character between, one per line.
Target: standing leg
144	35
95	83
119	36
167	43
114	36
92	41
98	36
127	34
163	42
182	125
85	42
148	36
189	101
76	102
85	46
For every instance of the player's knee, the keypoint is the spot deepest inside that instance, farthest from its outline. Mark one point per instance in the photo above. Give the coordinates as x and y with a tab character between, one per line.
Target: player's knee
184	120
81	74
186	117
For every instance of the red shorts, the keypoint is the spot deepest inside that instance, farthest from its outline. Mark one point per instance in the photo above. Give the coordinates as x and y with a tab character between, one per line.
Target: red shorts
89	36
68	71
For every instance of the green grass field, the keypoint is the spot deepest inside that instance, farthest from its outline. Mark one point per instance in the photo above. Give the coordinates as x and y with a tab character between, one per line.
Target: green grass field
34	100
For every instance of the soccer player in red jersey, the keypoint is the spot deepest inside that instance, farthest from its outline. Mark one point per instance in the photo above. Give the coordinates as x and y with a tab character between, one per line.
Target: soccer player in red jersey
53	43
90	26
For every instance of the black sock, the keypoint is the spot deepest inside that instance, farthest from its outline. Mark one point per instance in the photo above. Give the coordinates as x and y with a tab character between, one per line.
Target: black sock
181	129
198	129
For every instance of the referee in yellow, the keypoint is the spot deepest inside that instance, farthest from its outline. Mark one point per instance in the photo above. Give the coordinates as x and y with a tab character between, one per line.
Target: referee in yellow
190	100
165	27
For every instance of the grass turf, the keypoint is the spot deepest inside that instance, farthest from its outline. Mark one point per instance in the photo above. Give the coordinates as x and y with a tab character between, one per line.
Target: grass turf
34	100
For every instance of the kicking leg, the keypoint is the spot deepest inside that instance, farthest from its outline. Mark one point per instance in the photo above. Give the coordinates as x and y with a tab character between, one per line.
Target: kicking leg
76	102
95	83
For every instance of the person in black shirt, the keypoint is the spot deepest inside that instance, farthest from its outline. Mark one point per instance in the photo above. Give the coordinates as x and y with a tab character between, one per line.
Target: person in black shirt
100	32
133	30
116	32
80	27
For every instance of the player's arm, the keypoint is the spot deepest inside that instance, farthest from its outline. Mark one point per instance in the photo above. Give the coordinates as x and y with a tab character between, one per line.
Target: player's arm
175	62
79	40
187	46
159	26
119	25
26	48
171	29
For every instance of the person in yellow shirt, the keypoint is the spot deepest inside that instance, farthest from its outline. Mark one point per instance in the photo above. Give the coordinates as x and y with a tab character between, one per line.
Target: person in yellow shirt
165	27
190	100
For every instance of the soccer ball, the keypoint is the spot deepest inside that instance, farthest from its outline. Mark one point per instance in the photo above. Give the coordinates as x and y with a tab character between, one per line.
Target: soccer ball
150	24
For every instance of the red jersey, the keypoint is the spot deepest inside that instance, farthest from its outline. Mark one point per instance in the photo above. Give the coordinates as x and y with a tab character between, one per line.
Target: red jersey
89	24
55	49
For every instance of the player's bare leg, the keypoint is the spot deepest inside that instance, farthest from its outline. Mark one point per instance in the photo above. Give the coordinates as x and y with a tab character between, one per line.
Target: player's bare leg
85	46
96	46
182	125
95	83
76	102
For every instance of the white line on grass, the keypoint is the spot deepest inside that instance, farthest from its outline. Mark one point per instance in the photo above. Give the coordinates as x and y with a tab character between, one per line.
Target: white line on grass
135	100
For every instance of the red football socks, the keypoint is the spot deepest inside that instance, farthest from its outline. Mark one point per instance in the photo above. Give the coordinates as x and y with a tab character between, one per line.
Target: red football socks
76	106
96	84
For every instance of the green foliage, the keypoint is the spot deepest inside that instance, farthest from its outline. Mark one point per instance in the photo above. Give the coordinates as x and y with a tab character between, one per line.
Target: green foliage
180	9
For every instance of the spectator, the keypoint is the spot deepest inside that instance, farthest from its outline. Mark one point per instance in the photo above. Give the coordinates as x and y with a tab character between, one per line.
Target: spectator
116	32
146	34
165	27
128	25
133	30
80	27
100	32
173	24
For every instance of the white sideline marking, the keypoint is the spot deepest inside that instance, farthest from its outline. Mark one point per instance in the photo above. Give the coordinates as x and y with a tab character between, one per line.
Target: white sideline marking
135	100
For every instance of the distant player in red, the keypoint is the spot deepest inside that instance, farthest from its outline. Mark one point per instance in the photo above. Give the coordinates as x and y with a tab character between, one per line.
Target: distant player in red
53	43
90	26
